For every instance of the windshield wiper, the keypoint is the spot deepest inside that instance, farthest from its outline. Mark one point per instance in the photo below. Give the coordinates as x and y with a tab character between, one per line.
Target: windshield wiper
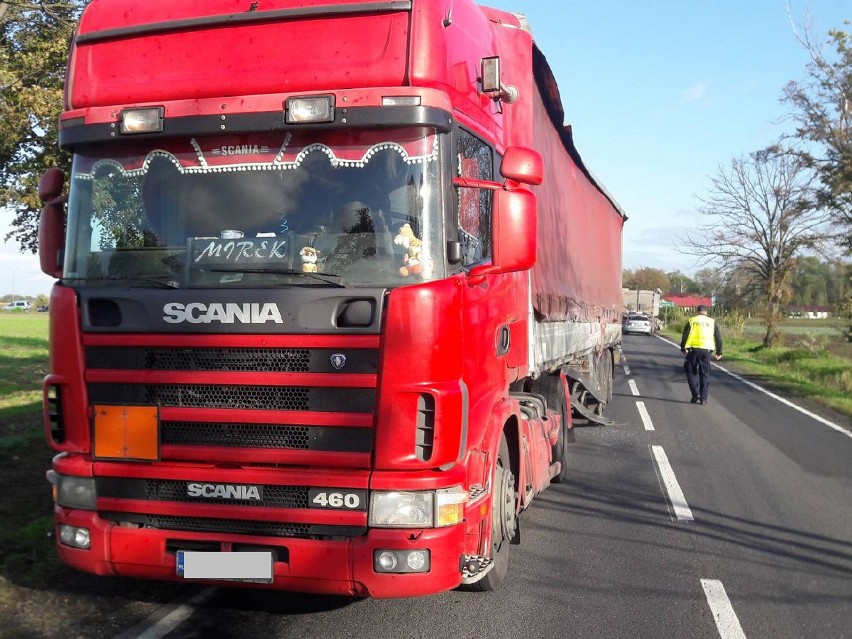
328	278
161	281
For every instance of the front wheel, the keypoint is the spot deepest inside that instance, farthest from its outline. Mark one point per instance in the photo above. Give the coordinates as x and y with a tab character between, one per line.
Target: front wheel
504	521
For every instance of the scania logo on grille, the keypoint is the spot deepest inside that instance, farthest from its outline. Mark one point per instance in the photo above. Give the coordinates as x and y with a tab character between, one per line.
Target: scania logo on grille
225	491
338	360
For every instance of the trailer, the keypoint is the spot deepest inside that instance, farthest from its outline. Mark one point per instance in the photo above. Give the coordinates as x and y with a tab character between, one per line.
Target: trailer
332	283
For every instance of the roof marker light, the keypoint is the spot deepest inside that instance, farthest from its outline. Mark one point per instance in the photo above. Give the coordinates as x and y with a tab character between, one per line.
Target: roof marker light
400	100
318	108
146	120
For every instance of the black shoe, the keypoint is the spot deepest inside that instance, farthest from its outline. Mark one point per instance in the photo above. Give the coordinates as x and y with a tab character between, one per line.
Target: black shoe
702	402
694	400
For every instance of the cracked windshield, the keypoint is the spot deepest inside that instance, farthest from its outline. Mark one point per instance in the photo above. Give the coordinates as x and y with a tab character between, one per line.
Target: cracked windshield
258	210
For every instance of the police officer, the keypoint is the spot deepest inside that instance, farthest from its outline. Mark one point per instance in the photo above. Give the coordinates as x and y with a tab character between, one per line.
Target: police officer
701	336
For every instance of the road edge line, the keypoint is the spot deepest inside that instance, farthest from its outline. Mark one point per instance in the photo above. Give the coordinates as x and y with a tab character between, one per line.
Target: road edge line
168	617
774	396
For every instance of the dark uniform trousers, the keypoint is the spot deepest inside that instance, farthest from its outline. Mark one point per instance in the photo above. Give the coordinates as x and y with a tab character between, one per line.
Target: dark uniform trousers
697	368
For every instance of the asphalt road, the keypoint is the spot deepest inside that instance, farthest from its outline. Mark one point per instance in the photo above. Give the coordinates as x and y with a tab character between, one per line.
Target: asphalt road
728	520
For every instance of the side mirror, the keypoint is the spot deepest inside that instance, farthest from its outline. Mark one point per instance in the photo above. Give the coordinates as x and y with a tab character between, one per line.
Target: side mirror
50	185
51	224
513	230
522	165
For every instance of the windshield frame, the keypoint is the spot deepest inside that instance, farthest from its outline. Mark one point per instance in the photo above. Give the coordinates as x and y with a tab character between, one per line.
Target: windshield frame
414	153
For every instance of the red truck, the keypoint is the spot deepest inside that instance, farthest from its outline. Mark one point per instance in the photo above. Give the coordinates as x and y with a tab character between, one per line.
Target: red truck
331	280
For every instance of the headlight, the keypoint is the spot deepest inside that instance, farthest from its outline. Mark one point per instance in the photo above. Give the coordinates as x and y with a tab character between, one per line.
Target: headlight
76	492
402	510
428	509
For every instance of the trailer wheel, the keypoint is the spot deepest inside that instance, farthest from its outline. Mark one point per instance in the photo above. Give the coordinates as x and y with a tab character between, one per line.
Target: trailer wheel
607	373
504	520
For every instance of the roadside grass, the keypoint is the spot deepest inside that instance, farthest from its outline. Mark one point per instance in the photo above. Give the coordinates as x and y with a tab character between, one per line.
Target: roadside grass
813	362
27	556
40	597
23	363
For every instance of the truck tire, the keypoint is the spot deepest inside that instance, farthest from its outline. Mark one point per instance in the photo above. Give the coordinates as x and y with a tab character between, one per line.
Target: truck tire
504	520
556	398
608	375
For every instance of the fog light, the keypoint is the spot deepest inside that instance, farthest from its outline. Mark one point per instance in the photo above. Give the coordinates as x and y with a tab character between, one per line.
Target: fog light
417	560
387	562
74	536
401	561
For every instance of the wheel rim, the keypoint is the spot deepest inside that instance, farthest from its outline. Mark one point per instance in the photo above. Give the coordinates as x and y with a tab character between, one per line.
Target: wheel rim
505	507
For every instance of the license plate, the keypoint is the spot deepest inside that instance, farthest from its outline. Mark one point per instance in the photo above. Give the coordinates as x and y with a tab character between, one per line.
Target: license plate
253	567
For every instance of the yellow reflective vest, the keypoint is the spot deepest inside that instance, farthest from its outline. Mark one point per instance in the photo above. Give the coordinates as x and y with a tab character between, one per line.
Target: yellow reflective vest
701	332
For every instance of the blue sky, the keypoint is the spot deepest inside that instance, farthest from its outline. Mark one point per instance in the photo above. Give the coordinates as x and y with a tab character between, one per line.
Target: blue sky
660	94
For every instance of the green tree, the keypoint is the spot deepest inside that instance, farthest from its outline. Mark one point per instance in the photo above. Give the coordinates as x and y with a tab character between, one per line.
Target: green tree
645	278
822	109
34	39
809	281
680	283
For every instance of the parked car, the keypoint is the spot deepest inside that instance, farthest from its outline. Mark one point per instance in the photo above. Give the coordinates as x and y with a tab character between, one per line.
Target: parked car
19	304
641	324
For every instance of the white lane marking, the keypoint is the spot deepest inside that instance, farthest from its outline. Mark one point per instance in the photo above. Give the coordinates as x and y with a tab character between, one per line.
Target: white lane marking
678	501
723	612
786	402
157	626
633	388
625	366
646	418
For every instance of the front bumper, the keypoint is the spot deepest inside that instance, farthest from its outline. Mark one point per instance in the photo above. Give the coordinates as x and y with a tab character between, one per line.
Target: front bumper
340	567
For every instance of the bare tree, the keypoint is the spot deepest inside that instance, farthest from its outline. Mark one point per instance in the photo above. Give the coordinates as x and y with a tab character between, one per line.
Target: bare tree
761	214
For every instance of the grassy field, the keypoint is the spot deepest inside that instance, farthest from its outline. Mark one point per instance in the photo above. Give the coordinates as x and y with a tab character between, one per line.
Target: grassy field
813	361
41	598
23	363
25	515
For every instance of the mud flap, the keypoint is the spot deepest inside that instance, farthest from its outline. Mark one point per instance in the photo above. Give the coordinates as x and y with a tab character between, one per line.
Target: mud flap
591	415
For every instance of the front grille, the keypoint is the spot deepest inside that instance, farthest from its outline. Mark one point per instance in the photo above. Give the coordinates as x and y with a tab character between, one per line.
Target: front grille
291	398
262	360
236	435
251	397
233	526
277	496
261	380
326	438
273	360
176	491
